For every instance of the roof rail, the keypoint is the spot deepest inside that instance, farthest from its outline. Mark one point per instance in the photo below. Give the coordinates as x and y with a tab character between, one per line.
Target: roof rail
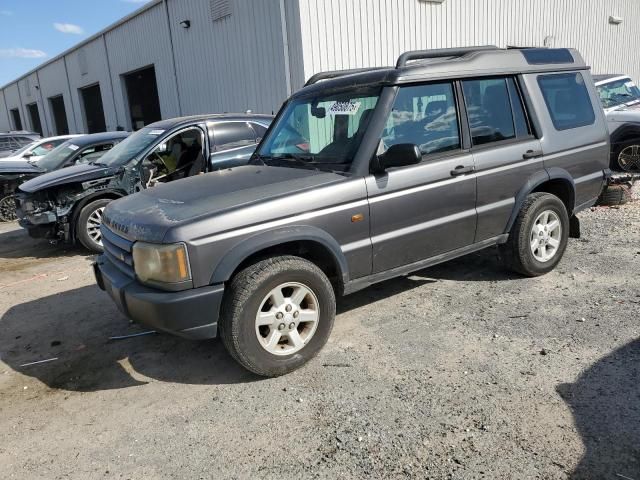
339	73
439	53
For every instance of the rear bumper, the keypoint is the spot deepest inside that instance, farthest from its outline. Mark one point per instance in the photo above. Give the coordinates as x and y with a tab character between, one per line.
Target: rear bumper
190	314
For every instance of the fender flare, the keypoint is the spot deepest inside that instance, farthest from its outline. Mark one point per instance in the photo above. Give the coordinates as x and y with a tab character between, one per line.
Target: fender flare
535	181
271	238
624	133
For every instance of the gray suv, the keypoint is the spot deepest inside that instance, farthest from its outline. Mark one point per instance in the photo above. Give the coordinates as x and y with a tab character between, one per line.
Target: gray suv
363	176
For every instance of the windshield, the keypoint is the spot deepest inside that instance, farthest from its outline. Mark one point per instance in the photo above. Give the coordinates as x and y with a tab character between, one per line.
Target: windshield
618	92
57	157
130	147
322	132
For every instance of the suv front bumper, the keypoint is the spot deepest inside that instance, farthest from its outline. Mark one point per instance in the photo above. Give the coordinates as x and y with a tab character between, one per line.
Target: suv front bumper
190	313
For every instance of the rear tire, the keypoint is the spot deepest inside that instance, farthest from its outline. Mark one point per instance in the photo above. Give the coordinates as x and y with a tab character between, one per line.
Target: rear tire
538	238
271	333
88	225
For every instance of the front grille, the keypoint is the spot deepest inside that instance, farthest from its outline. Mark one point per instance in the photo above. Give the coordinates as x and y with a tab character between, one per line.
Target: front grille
118	251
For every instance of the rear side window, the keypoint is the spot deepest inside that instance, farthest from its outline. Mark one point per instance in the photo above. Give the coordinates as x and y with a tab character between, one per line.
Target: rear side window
259	129
233	135
567	99
495	110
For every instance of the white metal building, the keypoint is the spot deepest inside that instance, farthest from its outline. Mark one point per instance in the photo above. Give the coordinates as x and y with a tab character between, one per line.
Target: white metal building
181	57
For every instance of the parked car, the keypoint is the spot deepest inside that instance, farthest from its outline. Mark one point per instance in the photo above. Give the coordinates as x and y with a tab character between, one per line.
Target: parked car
620	99
67	205
12	141
81	149
38	149
361	178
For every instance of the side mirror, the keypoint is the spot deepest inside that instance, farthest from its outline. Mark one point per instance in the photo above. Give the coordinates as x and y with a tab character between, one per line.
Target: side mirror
27	155
400	155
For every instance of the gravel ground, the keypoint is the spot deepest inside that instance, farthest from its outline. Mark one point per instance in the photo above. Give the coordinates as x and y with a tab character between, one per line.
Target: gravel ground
458	371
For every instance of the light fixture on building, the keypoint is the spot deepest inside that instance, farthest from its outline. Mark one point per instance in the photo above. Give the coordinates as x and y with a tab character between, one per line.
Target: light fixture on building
613	20
185	23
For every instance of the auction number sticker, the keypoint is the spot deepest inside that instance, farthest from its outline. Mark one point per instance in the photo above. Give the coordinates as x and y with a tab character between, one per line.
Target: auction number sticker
74	147
156	132
344	108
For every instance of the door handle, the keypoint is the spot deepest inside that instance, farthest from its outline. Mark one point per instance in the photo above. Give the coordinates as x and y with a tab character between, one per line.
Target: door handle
462	170
532	154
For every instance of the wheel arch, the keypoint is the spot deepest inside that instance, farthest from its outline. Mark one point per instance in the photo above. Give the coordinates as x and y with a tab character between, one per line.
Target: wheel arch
308	242
106	194
625	133
556	181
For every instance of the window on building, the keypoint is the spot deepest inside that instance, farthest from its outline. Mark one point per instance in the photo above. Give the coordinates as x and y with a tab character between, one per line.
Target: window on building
424	115
567	99
233	135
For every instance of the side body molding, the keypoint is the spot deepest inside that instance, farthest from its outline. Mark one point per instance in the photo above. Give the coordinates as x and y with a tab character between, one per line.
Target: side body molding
278	236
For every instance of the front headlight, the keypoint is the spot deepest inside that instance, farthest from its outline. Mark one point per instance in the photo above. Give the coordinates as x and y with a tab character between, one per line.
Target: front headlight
161	263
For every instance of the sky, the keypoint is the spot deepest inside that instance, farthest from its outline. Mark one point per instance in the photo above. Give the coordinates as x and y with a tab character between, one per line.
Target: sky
33	31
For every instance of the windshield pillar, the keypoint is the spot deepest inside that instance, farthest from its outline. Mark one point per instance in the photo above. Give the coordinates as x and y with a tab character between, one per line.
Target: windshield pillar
371	139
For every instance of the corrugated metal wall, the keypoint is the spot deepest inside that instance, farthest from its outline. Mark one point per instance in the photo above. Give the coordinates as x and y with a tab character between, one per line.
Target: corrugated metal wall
240	62
142	41
232	64
53	82
358	33
88	66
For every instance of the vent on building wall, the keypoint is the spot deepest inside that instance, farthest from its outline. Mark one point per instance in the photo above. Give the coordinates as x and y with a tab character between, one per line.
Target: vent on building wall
82	62
220	9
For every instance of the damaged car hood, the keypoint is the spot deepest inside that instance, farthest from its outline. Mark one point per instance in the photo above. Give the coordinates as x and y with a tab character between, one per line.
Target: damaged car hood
77	173
18	166
149	214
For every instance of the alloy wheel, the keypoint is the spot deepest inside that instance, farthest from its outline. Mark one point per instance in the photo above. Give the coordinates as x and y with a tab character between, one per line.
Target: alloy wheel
93	225
546	235
629	158
287	319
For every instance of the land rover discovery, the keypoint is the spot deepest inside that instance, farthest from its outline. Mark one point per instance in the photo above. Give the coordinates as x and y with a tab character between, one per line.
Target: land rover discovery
363	176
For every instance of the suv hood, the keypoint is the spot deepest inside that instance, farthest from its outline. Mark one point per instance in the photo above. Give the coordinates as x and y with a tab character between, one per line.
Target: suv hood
625	113
149	214
17	166
63	176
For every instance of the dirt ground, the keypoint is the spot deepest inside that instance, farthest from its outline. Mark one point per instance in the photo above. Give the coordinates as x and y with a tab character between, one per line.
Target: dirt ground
460	371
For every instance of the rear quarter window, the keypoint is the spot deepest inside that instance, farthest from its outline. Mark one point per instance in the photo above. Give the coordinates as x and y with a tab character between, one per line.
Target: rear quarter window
567	100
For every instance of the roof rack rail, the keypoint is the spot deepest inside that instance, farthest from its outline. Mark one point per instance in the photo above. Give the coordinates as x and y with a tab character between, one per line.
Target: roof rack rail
440	53
339	73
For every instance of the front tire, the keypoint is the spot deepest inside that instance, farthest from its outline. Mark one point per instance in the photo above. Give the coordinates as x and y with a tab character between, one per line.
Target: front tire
277	315
626	157
88	226
538	238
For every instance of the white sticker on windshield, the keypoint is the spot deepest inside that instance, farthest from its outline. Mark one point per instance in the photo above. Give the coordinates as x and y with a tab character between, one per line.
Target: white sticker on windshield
74	147
344	108
156	132
629	84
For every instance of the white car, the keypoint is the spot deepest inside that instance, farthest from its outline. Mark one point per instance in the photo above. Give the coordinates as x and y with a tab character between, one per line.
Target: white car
39	148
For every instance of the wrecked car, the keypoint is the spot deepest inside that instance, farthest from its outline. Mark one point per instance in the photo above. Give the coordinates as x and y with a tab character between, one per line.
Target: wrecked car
364	176
77	149
620	98
67	205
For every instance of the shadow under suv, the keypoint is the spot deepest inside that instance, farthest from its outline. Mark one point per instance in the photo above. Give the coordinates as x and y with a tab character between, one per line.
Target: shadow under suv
363	176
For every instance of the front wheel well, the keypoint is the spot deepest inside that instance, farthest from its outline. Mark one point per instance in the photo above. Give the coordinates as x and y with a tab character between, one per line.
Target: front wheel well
310	250
86	201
